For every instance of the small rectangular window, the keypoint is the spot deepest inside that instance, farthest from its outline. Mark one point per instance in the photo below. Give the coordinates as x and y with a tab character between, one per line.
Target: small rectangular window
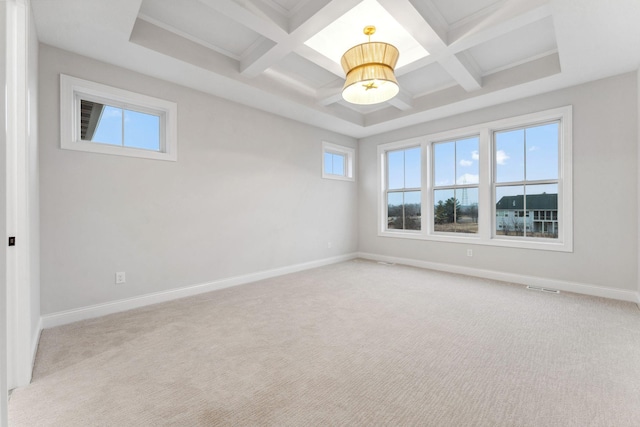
103	119
337	161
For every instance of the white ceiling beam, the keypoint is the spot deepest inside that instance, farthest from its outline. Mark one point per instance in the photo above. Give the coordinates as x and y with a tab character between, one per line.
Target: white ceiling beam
428	31
329	95
320	60
419	27
511	16
252	18
402	101
416	65
250	58
314	21
463	70
432	16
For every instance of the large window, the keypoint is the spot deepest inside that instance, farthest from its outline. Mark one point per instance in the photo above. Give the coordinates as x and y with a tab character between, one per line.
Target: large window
103	119
455	185
403	192
526	181
503	183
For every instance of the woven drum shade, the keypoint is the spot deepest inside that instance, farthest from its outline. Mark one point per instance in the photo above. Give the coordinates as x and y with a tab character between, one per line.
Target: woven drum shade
369	68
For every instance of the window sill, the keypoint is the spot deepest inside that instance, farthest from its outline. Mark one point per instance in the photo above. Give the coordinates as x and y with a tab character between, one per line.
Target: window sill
555	246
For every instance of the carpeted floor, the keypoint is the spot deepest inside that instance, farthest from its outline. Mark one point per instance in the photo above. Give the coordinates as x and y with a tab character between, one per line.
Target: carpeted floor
357	343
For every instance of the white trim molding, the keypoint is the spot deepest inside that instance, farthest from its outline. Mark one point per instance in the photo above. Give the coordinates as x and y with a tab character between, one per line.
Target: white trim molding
562	285
73	90
97	310
347	153
486	186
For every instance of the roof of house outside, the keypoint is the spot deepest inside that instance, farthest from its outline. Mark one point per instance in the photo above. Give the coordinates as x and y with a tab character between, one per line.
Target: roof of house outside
534	202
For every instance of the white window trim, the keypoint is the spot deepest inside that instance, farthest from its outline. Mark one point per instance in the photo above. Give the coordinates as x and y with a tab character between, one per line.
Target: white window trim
486	214
72	89
348	153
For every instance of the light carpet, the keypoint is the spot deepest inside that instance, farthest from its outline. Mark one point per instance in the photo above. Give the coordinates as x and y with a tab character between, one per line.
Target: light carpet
356	343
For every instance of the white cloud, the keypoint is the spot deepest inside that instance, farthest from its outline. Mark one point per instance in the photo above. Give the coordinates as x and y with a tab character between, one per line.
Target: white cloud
475	155
501	157
465	163
534	148
468	178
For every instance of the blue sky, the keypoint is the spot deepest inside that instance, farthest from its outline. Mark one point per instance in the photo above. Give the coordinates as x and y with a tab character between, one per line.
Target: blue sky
456	162
538	145
522	154
141	130
404	168
334	164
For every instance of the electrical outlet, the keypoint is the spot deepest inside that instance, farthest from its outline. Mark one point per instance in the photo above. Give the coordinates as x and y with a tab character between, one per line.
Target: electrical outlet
469	252
328	245
120	278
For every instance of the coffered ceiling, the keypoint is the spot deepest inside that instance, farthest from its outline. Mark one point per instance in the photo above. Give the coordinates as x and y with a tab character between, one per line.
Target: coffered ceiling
283	56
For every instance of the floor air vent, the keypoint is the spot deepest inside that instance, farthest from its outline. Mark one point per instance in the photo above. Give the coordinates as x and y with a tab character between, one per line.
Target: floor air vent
386	263
535	288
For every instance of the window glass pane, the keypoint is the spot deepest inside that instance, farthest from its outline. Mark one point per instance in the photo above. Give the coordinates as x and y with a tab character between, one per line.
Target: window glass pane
338	164
394	211
542	151
395	171
467	161
328	163
509	205
108	125
412	168
412	211
141	130
467	217
444	163
403	210
509	155
444	210
543	199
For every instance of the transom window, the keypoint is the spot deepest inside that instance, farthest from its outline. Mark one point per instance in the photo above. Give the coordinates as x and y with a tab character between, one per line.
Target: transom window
503	183
114	125
102	119
337	161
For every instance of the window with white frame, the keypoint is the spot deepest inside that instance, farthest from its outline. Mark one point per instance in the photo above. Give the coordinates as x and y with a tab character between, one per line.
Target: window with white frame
337	161
526	181
455	185
103	119
502	183
403	189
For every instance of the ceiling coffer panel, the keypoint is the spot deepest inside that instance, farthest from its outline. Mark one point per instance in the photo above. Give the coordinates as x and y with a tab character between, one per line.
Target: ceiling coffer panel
201	24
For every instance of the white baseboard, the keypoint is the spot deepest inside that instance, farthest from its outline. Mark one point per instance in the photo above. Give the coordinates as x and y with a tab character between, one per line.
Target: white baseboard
579	288
75	315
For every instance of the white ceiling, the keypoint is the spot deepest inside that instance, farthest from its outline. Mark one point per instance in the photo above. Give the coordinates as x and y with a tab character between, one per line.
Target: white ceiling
257	52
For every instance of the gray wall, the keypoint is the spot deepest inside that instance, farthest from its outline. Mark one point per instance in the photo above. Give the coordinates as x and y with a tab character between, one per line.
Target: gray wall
246	195
605	181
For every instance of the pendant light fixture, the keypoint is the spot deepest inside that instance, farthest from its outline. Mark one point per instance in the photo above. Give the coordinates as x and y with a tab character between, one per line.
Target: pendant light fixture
369	68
